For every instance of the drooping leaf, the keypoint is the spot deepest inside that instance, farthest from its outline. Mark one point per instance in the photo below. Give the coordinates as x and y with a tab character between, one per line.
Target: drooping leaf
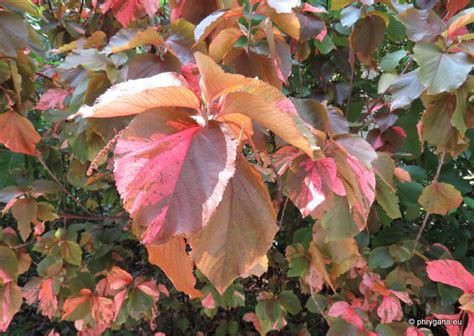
462	117
441	71
359	182
8	262
386	196
237	237
14	33
436	127
164	161
24	211
176	263
405	89
366	37
18	134
10	300
440	198
339	222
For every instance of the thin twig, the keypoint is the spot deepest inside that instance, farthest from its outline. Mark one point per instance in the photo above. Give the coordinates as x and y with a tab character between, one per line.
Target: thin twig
427	216
51	174
283	212
279	196
93	218
351	80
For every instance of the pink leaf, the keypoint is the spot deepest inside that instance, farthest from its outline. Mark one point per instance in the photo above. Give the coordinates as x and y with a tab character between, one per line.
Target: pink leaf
127	11
450	272
344	310
390	310
208	302
52	99
172	180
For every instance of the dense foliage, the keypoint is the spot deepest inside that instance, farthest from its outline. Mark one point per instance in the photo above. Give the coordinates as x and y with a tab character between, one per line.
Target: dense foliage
236	167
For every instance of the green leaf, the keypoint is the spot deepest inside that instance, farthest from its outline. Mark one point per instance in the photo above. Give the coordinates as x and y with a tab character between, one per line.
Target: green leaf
316	303
380	257
390	61
441	71
269	309
463	108
4	71
298	266
290	302
338	221
8	261
71	252
49	266
341	327
325	46
387	198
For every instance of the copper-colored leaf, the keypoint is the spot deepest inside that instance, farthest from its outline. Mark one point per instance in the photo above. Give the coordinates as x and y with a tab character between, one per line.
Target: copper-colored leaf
237	236
140	95
171	172
175	262
10	300
440	198
367	35
17	133
223	43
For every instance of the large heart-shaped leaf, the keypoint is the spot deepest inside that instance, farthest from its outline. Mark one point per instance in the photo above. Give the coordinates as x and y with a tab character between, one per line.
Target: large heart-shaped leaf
237	236
171	172
441	71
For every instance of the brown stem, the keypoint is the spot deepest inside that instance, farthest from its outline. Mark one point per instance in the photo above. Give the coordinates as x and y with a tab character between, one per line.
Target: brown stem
51	174
427	216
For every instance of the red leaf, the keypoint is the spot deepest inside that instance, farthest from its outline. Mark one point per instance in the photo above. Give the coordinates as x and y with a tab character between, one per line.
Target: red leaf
52	99
450	272
455	6
172	181
127	11
18	134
